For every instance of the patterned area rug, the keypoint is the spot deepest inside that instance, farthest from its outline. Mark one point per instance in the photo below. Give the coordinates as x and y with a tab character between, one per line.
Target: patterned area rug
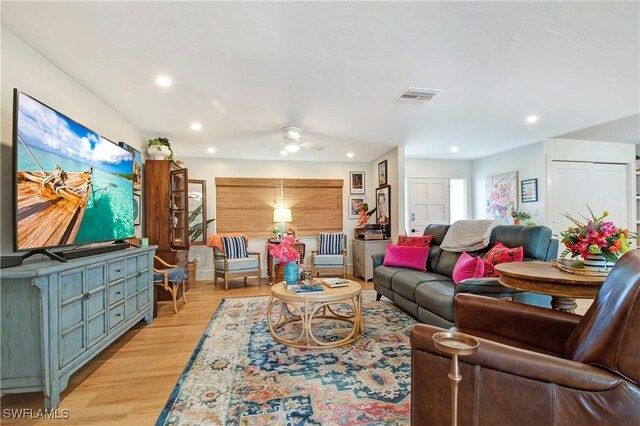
238	375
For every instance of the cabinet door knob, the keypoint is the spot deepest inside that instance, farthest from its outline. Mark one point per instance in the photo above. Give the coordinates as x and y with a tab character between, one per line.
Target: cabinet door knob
87	296
117	293
118	270
139	274
118	315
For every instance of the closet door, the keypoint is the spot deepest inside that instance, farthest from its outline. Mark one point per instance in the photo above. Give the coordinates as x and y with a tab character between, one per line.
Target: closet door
571	186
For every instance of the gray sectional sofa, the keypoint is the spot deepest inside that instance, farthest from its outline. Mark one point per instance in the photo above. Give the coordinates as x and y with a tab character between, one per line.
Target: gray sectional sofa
429	296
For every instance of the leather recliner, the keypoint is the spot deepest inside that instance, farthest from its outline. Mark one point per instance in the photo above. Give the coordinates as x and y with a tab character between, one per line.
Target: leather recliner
536	366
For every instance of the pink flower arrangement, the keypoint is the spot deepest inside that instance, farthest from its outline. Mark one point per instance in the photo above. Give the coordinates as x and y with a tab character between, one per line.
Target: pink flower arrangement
285	252
596	236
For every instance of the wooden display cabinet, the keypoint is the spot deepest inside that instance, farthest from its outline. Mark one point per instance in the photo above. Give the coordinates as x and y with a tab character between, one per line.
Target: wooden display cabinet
166	211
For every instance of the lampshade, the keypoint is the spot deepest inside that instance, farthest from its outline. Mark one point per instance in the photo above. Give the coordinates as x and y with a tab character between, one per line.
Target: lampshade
282	215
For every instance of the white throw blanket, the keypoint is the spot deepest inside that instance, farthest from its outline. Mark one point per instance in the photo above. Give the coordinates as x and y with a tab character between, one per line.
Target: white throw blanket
468	235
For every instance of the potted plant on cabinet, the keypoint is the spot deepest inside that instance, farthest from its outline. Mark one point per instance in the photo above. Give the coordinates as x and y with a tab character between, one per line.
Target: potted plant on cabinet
160	149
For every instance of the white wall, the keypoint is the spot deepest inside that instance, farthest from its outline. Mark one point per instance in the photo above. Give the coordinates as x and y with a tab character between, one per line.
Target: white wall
528	161
210	168
448	169
396	180
25	69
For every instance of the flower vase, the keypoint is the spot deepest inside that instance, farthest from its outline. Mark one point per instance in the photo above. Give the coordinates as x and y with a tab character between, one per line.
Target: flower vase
291	273
596	262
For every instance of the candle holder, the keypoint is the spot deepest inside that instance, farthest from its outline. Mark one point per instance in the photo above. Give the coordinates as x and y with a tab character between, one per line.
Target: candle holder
455	344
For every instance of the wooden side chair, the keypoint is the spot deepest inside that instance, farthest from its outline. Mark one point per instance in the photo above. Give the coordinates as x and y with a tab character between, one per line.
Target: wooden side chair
234	261
331	255
171	278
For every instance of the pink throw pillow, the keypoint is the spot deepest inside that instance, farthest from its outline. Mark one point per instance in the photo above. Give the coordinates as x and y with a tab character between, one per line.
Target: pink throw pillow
406	257
422	241
467	266
500	253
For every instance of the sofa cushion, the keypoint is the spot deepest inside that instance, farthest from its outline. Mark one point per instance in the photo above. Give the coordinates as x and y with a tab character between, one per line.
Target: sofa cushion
437	231
327	259
406	257
422	241
330	243
467	267
235	247
437	297
383	274
406	281
533	239
500	254
235	265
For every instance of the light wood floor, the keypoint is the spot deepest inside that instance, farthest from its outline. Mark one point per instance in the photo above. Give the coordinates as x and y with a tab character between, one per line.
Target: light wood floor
130	382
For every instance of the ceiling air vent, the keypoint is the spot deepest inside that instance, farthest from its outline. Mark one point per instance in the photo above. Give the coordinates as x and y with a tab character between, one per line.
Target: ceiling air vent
418	96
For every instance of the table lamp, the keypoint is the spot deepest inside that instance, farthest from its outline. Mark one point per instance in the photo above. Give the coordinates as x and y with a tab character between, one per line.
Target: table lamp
281	216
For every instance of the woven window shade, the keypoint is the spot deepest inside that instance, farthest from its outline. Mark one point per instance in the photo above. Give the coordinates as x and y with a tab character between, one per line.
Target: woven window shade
247	204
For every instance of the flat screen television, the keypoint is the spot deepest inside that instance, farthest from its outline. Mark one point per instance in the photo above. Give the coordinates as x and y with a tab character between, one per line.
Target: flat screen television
71	185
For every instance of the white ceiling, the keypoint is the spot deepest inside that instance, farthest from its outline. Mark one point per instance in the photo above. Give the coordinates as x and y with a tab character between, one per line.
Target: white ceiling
244	70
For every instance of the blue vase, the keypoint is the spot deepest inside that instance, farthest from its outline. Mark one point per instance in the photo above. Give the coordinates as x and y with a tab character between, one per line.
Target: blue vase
291	273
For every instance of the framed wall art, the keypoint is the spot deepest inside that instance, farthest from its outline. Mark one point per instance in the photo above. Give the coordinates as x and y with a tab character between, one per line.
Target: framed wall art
382	173
383	208
502	196
529	190
356	182
355	202
137	166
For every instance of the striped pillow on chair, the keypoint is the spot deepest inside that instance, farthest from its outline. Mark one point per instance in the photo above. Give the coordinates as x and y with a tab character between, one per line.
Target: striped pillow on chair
234	247
330	243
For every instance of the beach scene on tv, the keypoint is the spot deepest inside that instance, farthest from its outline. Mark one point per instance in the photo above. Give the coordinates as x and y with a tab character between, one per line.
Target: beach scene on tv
73	186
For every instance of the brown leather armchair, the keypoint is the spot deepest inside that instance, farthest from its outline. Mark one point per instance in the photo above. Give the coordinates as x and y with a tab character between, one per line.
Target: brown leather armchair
535	366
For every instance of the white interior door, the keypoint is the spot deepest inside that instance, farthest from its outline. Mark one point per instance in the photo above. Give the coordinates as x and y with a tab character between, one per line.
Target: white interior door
428	203
571	186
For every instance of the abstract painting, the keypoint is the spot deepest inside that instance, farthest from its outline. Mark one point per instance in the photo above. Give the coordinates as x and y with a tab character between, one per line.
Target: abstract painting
502	195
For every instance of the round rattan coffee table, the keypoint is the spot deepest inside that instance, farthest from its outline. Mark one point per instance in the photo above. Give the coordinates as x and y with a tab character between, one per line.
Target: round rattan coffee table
306	309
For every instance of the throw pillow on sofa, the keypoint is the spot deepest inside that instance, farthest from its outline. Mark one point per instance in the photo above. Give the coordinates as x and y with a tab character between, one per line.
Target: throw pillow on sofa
500	253
421	241
406	257
466	267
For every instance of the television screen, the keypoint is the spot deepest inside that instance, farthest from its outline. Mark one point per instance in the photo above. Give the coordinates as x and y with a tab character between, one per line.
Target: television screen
72	185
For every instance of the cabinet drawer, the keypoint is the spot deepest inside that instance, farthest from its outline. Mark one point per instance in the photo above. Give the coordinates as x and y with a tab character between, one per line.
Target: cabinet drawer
116	293
116	315
116	270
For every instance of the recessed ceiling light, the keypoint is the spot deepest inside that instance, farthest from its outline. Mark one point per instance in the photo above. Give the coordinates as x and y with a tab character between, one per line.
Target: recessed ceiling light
350	154
163	81
211	150
196	126
283	152
532	119
454	149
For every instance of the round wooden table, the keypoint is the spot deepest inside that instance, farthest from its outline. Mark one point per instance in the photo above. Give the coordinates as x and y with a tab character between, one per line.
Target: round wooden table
544	278
309	307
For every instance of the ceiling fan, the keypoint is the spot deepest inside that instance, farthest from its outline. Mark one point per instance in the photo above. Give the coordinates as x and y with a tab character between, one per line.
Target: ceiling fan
292	140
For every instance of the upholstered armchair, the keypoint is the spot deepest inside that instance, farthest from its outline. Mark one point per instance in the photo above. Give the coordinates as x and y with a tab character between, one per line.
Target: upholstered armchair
331	255
537	366
232	260
171	278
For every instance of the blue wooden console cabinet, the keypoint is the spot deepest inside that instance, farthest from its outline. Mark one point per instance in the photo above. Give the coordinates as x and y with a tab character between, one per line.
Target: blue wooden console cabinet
58	316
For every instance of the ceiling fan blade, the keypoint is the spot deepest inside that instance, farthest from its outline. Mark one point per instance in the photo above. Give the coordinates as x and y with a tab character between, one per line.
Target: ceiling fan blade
311	145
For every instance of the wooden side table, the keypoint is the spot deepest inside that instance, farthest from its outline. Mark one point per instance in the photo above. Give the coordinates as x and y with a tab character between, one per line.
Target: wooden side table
299	245
544	278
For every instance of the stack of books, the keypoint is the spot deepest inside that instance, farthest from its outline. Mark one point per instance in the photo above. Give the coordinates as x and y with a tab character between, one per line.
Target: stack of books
335	282
304	289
